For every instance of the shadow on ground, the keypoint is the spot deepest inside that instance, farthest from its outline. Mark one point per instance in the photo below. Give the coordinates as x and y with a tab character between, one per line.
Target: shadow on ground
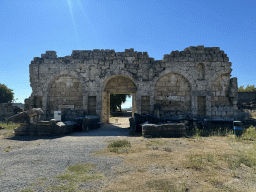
105	130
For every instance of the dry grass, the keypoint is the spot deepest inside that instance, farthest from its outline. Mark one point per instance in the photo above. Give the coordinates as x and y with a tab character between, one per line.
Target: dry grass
249	134
212	163
68	181
27	190
75	174
8	129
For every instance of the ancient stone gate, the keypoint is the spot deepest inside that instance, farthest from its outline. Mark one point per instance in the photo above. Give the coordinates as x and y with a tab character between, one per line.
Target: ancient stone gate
118	85
193	82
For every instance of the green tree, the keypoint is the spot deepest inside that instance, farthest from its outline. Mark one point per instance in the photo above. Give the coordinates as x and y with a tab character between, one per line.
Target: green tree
241	88
116	101
249	88
6	94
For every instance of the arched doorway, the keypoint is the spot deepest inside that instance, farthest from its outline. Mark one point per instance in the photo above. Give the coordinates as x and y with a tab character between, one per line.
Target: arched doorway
117	85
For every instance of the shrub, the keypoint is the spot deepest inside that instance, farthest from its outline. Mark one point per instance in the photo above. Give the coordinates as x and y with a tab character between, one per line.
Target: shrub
249	134
168	149
163	185
119	143
119	146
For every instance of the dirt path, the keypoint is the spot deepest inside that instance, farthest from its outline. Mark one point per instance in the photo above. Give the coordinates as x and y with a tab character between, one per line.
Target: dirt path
122	122
158	164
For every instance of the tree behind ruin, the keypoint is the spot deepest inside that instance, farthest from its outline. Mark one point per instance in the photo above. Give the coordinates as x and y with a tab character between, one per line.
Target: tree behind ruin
6	94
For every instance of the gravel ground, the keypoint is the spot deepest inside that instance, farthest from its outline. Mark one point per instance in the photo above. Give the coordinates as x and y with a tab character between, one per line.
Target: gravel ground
34	157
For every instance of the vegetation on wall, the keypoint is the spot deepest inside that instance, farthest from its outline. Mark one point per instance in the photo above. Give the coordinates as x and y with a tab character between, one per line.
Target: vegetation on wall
6	94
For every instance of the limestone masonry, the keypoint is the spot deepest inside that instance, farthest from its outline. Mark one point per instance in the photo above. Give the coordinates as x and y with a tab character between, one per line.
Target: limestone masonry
193	82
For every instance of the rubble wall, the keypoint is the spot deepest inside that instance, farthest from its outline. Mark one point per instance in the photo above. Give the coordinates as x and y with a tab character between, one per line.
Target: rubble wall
7	110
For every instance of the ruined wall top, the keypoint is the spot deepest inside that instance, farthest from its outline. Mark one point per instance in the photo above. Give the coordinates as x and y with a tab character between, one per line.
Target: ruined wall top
81	55
190	54
197	54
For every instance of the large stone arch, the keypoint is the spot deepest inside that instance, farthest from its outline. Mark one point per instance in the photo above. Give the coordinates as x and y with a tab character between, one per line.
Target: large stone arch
53	77
112	74
183	73
65	90
173	93
118	84
44	91
218	74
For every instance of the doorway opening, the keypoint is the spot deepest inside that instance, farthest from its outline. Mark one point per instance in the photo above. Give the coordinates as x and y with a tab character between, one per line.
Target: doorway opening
120	109
118	84
201	105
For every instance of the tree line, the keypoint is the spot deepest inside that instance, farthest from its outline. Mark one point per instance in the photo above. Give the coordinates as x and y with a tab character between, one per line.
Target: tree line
248	88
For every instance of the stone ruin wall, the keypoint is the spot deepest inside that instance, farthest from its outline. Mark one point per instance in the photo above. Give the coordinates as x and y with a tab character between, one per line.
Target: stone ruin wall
7	110
195	81
246	97
247	103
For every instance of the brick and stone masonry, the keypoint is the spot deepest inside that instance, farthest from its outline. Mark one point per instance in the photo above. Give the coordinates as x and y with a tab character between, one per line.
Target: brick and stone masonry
195	81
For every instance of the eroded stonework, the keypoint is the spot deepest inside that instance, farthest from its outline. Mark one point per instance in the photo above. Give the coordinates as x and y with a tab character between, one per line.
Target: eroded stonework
193	82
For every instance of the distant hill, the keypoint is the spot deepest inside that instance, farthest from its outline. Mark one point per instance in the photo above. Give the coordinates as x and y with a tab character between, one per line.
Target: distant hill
21	105
127	109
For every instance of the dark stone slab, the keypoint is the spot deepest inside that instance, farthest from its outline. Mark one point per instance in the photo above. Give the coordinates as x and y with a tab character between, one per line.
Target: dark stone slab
152	119
90	122
164	130
216	124
79	125
132	124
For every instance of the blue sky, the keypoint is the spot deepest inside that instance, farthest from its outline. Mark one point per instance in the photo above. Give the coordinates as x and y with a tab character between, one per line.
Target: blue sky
30	27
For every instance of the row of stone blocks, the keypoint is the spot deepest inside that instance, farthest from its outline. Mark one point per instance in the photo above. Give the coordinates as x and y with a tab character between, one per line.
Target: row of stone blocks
54	128
44	128
164	130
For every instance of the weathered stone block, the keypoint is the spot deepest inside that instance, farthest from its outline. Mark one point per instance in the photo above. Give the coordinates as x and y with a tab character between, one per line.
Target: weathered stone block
90	122
164	130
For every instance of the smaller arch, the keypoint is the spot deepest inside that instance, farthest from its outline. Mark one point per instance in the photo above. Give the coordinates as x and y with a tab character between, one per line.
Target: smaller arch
220	89
200	71
217	74
221	83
